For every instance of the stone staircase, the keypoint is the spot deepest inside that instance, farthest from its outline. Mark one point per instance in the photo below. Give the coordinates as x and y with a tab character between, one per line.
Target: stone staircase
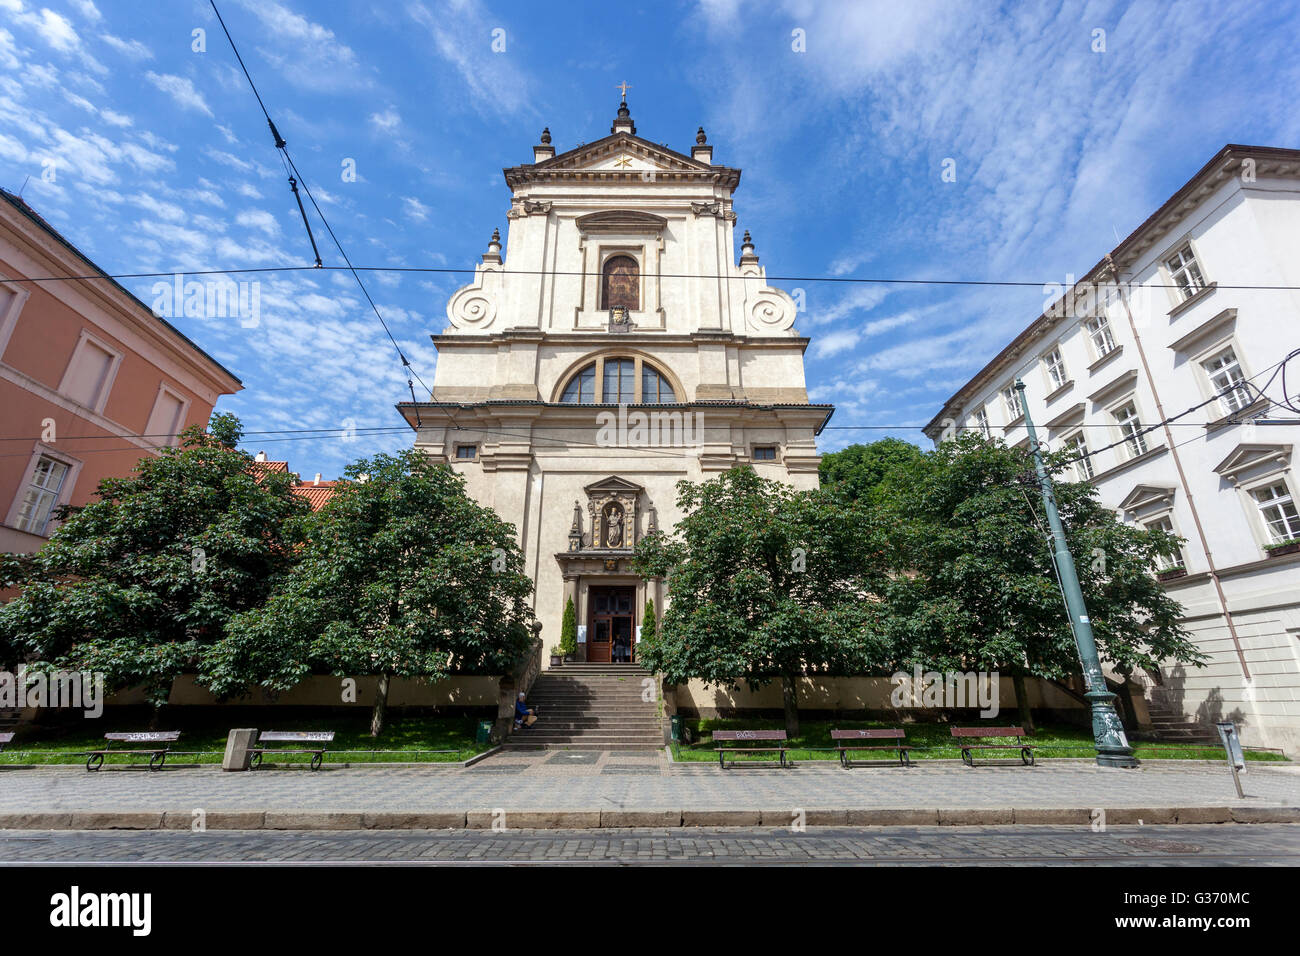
1170	726
591	707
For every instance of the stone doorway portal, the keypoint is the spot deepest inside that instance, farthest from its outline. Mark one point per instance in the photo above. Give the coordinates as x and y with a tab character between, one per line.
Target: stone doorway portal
611	634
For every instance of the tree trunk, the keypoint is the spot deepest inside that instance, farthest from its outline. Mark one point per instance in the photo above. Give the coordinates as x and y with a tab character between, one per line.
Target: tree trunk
790	702
381	705
1022	703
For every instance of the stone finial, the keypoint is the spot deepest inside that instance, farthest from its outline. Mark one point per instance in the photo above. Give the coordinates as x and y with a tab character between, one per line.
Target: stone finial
747	249
700	137
546	136
575	530
493	253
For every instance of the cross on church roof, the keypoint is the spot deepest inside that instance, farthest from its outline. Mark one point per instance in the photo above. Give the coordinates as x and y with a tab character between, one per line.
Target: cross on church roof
623	88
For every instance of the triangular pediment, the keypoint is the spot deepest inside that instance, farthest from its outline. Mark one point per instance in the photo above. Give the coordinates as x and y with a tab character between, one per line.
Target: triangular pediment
1143	495
1247	456
622	152
619	155
613	484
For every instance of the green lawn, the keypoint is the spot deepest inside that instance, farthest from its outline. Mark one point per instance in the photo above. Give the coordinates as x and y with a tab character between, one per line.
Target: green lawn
933	742
401	738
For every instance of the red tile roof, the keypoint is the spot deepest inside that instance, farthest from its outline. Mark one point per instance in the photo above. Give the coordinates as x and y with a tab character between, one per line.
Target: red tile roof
316	492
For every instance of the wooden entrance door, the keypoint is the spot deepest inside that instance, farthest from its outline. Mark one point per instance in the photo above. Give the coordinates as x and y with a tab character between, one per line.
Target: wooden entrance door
611	633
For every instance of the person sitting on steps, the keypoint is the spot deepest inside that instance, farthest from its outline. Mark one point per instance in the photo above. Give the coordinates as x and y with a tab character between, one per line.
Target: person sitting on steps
525	716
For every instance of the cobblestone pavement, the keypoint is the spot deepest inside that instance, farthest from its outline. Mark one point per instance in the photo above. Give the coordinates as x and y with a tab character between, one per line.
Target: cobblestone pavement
1228	845
516	782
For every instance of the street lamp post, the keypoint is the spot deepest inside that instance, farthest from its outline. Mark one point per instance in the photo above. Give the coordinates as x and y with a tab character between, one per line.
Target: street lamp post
1113	749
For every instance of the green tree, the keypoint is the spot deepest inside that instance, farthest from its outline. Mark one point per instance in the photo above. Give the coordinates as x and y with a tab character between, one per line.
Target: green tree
569	629
975	589
140	583
403	575
767	584
859	471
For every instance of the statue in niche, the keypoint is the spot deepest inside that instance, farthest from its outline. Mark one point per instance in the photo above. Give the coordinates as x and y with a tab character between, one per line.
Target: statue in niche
613	527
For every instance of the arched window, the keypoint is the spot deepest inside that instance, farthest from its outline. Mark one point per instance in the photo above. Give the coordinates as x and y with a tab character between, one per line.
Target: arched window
655	389
618	381
620	284
581	389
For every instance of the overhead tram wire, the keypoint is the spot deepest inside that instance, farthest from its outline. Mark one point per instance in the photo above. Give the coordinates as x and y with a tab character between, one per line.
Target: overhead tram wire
295	177
470	270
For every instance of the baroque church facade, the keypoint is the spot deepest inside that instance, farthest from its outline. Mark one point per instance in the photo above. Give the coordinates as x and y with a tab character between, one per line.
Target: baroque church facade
613	346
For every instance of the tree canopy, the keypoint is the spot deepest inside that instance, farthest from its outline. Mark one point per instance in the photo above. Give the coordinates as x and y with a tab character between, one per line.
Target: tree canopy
766	583
139	583
936	558
402	574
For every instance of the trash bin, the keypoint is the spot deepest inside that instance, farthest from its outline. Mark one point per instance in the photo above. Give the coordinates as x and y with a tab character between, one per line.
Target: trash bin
484	734
675	724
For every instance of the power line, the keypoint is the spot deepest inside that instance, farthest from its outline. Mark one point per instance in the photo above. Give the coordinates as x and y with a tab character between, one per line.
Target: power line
1173	419
283	148
470	270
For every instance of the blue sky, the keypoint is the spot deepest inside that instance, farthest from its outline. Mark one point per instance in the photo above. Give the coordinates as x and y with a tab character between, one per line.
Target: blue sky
162	161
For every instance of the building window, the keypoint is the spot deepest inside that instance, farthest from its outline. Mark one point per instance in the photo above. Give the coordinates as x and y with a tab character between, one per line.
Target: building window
1011	401
620	285
1077	444
581	389
655	389
1126	417
1225	376
764	453
1055	365
982	422
615	380
1186	272
467	452
1103	343
167	418
620	382
42	495
1278	510
90	374
1172	558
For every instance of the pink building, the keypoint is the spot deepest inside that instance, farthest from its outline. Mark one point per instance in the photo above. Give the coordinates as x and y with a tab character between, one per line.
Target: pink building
90	379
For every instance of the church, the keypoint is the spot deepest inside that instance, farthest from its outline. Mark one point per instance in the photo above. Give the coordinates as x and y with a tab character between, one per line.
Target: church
611	346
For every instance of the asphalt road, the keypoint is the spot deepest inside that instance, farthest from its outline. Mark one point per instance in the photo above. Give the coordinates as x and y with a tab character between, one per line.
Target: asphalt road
1204	845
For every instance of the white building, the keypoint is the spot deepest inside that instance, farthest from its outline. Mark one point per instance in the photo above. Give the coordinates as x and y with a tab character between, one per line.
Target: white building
618	348
1176	317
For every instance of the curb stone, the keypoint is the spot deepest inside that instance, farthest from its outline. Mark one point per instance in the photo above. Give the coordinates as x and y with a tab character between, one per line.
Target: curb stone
636	818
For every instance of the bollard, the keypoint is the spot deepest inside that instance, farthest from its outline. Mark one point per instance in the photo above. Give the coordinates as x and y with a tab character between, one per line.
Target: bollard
237	747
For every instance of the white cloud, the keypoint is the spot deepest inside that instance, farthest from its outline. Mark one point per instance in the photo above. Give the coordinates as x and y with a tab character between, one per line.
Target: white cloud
133	49
88	10
258	219
181	89
387	121
415	209
833	343
306	53
463	33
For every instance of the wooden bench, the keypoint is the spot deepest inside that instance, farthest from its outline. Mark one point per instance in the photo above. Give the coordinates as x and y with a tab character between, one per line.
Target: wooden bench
965	736
879	733
4	739
321	737
738	735
157	755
